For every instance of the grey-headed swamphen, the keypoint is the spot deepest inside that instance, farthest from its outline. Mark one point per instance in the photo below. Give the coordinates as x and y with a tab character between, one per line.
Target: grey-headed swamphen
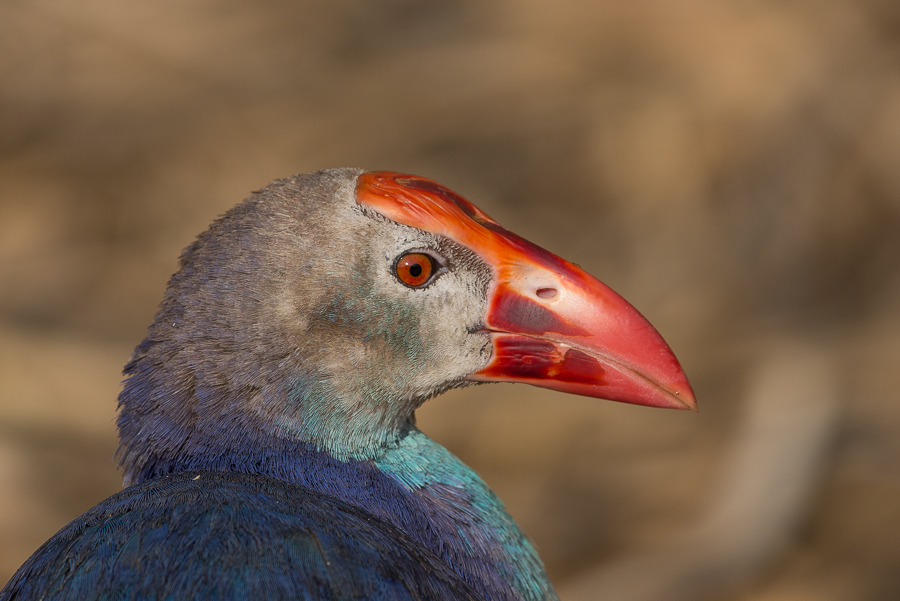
267	422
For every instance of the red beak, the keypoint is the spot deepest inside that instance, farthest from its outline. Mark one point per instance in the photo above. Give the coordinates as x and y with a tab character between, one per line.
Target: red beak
551	323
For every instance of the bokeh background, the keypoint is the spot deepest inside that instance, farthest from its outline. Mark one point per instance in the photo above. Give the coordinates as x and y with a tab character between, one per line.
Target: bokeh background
731	167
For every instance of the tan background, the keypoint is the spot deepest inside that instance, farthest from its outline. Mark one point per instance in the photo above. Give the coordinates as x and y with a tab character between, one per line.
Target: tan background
731	167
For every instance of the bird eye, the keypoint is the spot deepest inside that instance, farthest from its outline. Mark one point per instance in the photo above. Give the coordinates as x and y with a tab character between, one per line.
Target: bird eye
415	269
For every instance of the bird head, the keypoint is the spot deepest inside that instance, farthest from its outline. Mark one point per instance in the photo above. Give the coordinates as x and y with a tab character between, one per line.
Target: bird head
327	307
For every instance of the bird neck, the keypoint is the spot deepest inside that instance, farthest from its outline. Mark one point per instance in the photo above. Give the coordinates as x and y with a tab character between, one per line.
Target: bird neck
462	509
417	485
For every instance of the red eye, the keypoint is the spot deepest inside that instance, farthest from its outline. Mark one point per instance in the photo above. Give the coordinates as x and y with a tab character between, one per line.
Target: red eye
415	269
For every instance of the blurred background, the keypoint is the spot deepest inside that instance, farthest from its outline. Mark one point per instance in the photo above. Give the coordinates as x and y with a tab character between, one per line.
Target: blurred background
730	167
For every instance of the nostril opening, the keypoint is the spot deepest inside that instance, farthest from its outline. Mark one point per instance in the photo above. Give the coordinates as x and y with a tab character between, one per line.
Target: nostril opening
546	292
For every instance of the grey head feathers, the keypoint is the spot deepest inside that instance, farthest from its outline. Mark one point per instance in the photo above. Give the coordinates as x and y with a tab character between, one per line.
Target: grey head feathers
286	320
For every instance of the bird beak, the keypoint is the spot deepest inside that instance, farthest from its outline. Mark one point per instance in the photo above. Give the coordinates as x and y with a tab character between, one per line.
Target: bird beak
551	323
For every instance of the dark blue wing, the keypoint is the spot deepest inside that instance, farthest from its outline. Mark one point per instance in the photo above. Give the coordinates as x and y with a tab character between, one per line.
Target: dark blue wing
218	535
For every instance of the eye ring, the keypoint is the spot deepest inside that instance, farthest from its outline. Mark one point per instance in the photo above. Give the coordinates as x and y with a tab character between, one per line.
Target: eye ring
416	269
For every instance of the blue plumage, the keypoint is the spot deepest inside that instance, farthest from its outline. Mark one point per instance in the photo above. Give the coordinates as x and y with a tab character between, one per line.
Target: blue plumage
220	535
441	513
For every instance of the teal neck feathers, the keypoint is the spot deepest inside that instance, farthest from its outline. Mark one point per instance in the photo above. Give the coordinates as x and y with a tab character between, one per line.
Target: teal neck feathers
453	492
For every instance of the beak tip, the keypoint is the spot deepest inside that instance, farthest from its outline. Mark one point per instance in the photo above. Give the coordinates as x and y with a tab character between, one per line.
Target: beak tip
676	386
692	405
685	399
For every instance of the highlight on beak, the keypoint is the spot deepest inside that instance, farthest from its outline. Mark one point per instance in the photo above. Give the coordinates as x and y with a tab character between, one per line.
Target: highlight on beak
551	324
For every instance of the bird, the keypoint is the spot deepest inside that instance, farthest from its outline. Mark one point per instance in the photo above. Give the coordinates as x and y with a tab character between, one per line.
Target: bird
266	423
